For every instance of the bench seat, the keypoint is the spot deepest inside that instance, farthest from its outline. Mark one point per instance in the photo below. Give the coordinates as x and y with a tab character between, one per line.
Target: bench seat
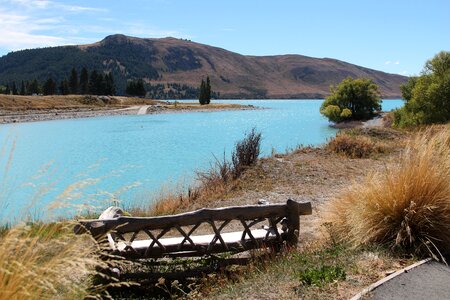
233	241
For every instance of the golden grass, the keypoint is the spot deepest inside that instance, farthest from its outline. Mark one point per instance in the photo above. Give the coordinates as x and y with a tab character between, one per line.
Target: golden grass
404	206
38	262
20	103
355	146
23	103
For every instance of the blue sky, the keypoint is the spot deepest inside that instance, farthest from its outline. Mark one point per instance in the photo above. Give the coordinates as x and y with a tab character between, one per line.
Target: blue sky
395	36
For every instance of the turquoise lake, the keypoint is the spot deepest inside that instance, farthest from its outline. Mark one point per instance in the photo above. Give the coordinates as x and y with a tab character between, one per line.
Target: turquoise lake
97	161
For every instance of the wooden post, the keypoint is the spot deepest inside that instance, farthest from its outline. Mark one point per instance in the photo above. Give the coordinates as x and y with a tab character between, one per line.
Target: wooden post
293	219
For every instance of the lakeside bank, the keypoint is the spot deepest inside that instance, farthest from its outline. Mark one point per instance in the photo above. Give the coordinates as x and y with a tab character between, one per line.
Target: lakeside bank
20	109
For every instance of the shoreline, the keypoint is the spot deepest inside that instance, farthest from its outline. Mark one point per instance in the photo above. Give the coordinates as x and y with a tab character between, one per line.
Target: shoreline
11	117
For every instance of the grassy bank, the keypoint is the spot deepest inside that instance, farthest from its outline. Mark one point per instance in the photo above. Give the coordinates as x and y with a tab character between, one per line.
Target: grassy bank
16	103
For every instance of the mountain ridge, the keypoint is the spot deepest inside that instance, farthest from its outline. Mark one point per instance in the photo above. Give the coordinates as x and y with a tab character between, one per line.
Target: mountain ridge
173	68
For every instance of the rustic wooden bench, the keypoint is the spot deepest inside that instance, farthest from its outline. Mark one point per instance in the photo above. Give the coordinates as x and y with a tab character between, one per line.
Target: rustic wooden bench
173	236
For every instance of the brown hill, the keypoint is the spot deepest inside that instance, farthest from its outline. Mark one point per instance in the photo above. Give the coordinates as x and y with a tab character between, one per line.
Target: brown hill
239	76
184	63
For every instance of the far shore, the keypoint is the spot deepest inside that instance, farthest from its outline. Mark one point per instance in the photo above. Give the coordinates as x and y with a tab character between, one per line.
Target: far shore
21	109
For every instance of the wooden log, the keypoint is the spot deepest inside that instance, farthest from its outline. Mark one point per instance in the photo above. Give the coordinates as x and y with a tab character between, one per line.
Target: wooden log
130	224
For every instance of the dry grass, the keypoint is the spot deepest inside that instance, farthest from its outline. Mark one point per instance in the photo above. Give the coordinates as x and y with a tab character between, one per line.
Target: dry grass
405	206
21	103
46	262
366	142
355	146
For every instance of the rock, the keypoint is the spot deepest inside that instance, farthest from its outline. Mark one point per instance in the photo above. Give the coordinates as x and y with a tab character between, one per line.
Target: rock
263	202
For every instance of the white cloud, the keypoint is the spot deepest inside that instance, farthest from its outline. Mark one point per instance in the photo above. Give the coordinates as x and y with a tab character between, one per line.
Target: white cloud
44	23
389	62
22	31
46	4
404	73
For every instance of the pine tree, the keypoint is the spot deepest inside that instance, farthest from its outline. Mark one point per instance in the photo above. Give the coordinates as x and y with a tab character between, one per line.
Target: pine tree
201	97
84	81
27	87
64	88
49	87
205	92
208	90
34	87
73	81
136	88
7	90
14	89
93	81
140	88
23	92
110	88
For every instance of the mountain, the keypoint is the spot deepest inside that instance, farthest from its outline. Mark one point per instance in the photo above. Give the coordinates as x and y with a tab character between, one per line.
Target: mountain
173	68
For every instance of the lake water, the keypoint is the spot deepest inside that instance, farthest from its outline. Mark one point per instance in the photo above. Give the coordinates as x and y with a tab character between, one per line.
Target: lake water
94	161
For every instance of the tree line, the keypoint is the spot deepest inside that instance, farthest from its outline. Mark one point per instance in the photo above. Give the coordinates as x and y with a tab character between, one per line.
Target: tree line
98	83
93	83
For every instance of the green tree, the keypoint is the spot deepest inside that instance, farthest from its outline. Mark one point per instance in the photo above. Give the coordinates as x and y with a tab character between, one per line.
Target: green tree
73	82
208	90
49	87
136	88
352	99
7	90
427	96
34	87
84	81
23	91
93	83
110	87
205	91
64	88
14	89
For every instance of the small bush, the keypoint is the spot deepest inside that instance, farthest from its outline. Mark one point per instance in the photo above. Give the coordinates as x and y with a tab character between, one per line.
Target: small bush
354	146
246	152
406	206
322	275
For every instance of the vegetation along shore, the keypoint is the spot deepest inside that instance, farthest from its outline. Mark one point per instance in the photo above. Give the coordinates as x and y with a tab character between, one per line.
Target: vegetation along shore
16	108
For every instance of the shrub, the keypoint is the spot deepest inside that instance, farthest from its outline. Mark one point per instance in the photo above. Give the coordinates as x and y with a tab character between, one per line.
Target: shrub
321	275
246	152
406	206
354	146
346	113
333	113
355	99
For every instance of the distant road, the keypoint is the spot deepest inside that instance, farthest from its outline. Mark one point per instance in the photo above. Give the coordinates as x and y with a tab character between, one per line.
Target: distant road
143	110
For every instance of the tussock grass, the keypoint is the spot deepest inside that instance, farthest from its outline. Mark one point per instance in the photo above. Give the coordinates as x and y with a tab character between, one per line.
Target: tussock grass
405	206
37	262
